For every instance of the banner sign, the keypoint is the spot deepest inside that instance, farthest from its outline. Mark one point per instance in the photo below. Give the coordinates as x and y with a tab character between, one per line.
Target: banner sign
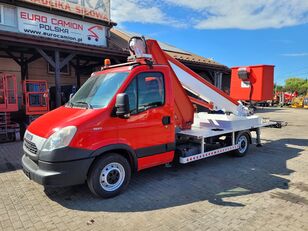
41	24
98	9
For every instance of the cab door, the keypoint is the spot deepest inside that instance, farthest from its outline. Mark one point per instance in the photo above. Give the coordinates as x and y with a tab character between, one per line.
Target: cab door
149	130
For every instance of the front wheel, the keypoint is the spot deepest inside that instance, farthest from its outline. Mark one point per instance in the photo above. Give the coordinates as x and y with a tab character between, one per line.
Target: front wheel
109	176
242	140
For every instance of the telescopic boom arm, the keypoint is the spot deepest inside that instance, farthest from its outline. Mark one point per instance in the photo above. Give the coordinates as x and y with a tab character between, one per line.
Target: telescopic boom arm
183	77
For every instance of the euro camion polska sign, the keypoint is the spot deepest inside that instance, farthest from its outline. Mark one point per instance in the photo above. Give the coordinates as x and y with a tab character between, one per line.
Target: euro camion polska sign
98	9
42	24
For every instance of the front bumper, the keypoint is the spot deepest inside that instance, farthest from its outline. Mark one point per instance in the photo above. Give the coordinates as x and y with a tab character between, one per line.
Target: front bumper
56	173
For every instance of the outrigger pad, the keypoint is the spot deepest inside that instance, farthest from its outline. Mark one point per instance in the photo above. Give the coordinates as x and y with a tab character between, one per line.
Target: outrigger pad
278	124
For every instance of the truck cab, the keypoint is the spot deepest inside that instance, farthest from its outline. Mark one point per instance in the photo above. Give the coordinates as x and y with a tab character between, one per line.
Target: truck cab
120	121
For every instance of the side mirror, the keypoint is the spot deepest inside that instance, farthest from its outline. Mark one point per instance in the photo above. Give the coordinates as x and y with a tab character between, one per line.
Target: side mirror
122	105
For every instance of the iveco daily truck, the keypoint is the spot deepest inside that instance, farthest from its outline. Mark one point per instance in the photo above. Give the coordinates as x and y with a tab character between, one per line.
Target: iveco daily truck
134	116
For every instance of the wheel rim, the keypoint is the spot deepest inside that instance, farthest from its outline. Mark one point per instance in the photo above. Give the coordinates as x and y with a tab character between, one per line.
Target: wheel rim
243	144
112	177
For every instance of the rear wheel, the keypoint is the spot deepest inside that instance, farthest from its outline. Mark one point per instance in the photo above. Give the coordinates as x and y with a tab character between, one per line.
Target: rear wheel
243	140
109	176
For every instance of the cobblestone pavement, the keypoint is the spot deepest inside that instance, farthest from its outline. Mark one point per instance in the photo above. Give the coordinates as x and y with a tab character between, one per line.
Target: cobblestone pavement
265	190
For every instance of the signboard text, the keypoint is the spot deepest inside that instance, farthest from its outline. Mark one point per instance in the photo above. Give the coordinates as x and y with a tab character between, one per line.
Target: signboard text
47	25
98	9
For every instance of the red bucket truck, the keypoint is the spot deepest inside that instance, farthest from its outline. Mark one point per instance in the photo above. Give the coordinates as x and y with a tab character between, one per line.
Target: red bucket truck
133	116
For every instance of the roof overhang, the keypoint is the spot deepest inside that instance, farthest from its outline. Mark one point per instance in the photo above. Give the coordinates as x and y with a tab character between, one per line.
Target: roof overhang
11	38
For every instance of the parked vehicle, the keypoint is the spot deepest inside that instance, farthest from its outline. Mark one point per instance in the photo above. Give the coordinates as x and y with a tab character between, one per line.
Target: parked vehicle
134	116
284	98
297	102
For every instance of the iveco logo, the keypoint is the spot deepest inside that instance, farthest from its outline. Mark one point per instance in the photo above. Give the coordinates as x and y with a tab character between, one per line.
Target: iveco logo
29	136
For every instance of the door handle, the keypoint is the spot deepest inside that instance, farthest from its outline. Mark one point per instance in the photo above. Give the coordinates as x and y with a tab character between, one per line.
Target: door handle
166	120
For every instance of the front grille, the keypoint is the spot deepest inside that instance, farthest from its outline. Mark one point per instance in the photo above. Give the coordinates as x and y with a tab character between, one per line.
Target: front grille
30	146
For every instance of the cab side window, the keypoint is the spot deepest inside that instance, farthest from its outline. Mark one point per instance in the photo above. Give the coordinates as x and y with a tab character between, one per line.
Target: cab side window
131	91
151	90
146	91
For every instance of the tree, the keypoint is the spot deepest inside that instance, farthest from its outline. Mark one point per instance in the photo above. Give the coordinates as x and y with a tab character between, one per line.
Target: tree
304	88
296	84
278	88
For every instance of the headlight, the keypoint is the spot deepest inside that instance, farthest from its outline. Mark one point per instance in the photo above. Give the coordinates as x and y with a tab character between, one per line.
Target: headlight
60	138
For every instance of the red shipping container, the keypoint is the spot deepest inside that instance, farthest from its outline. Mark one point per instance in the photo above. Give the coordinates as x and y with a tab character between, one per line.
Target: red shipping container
256	80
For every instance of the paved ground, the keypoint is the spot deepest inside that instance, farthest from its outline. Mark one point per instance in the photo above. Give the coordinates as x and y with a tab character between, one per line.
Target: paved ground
266	190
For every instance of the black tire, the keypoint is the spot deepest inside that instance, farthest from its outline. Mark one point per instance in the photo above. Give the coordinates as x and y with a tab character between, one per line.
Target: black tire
244	140
105	178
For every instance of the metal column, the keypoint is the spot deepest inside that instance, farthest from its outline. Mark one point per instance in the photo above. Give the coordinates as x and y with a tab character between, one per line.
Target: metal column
258	132
57	65
77	72
218	79
57	78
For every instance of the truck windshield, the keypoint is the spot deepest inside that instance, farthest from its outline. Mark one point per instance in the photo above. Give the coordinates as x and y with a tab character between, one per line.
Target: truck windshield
98	90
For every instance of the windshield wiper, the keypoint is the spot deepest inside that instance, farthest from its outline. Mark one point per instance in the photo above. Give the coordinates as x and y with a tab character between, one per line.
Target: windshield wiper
69	104
86	103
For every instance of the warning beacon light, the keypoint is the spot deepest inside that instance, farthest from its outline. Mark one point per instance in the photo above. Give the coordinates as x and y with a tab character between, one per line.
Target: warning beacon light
107	62
138	47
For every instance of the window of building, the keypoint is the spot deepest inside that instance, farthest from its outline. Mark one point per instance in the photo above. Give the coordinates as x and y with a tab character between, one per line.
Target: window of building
64	70
146	91
8	15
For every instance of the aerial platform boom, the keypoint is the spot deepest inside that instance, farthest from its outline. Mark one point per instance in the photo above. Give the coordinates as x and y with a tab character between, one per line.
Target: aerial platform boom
214	98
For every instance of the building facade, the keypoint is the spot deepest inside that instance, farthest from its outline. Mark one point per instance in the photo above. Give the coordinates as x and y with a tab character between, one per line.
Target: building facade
64	41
